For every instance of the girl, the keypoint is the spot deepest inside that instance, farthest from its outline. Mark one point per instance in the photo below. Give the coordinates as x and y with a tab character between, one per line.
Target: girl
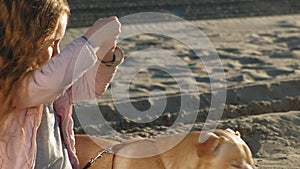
38	82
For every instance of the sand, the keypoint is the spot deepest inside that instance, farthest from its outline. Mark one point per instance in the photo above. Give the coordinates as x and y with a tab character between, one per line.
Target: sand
261	62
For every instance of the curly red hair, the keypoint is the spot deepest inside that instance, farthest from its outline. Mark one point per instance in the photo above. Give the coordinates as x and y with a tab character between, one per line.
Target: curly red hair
26	28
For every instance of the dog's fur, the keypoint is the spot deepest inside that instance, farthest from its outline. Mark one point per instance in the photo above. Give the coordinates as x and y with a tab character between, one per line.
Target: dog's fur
220	149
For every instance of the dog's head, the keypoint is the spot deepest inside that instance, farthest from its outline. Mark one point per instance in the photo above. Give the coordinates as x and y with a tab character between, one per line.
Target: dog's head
224	149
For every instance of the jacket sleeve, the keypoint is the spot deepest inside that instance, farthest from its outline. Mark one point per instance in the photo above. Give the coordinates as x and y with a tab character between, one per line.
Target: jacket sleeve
93	83
83	89
49	82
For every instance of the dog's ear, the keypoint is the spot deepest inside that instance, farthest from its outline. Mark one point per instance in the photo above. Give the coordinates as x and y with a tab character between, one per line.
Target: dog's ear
208	143
237	133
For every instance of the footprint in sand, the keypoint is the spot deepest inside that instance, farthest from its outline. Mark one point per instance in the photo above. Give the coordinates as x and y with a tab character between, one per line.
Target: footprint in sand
230	50
285	24
278	72
291	41
282	55
250	60
260	39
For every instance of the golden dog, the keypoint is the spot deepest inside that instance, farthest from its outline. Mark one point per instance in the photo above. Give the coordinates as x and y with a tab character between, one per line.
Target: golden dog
220	149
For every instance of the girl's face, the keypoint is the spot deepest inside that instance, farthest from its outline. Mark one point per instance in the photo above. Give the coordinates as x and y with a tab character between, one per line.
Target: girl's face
52	50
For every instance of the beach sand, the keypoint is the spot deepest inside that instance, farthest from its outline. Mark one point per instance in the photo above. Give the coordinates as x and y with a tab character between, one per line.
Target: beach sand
261	61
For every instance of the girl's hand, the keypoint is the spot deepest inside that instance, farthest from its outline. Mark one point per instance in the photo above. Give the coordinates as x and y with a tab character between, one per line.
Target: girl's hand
113	57
109	56
104	33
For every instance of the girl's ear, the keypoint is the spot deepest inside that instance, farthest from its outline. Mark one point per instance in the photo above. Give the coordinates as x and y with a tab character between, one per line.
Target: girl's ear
208	143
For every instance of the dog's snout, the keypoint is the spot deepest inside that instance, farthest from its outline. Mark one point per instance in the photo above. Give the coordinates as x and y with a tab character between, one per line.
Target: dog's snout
248	166
241	166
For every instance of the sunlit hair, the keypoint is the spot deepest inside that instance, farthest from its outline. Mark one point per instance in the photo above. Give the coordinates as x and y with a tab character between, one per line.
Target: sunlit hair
27	28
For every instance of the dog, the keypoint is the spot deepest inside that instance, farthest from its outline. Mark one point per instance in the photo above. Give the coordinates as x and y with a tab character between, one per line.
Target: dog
219	149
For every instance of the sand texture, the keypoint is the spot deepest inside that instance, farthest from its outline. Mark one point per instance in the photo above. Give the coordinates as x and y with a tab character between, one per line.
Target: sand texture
261	61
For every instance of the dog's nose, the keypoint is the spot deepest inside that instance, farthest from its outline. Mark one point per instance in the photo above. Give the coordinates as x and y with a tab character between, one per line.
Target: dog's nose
248	166
243	166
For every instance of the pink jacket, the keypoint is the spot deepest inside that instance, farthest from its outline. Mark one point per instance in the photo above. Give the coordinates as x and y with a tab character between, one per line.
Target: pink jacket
67	76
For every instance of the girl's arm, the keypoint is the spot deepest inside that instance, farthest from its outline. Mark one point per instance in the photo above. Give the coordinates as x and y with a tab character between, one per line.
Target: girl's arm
59	74
47	83
96	80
